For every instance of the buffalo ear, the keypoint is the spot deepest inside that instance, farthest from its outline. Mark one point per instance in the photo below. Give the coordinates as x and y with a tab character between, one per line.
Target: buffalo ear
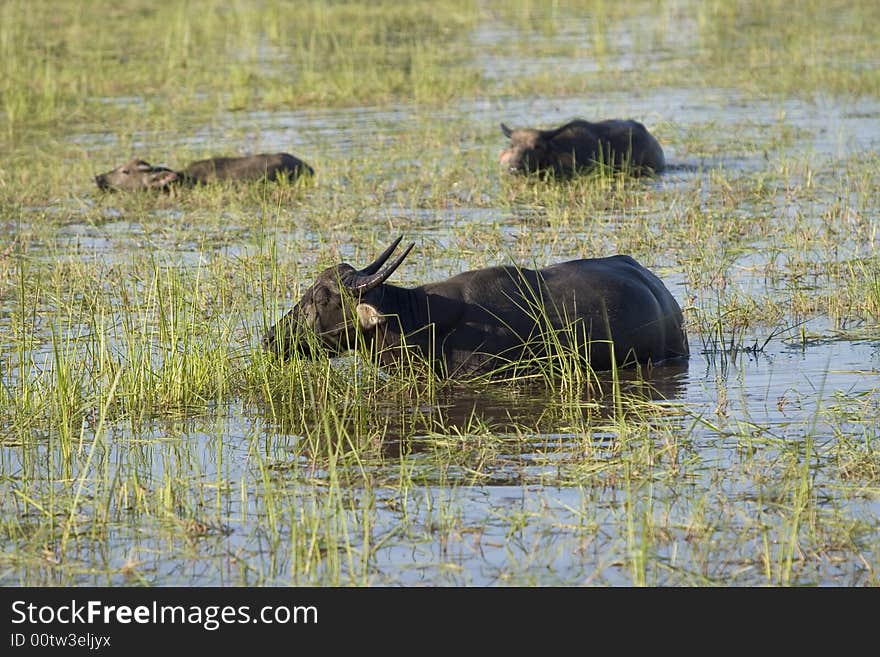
369	316
162	178
507	131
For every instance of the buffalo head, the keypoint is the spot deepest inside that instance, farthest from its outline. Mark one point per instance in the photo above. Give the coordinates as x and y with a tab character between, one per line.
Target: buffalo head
331	312
136	175
530	150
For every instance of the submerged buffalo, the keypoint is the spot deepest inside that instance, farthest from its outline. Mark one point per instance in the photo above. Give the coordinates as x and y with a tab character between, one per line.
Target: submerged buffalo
483	321
139	175
581	145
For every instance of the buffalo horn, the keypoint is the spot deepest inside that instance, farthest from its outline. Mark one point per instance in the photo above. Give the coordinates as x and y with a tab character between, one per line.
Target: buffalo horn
365	283
373	267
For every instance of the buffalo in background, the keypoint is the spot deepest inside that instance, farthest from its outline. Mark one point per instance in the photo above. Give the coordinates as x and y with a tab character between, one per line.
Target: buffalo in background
581	146
138	175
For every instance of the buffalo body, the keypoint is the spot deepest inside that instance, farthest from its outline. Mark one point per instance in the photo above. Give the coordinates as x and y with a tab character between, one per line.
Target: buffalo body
577	146
485	320
138	175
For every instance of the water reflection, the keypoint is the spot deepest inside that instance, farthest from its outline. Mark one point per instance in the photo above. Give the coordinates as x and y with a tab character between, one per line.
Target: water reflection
506	407
406	424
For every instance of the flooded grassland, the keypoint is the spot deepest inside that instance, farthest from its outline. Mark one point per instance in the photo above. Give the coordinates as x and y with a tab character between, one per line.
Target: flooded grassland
146	440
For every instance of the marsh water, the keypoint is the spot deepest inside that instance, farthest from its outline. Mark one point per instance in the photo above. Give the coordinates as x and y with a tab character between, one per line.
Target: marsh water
522	493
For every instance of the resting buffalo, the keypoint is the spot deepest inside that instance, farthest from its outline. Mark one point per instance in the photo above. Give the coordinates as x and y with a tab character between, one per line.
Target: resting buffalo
138	175
480	321
581	145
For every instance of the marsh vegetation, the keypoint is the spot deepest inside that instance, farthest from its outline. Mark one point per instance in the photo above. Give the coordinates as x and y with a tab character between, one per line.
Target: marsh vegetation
146	439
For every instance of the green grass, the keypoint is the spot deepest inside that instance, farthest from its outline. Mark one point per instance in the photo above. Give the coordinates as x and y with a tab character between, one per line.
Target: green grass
763	48
146	440
135	64
73	61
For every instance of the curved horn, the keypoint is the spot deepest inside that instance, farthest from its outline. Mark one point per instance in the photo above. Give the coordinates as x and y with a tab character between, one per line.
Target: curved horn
364	283
373	267
507	131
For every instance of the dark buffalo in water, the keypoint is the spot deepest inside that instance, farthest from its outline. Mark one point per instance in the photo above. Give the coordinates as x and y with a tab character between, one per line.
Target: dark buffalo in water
139	175
580	146
481	321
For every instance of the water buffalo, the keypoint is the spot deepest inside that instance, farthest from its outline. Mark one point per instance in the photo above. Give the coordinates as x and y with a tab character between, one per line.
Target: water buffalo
481	321
580	146
139	175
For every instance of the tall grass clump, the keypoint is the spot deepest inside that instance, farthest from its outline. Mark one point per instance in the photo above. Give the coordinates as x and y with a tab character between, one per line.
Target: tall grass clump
75	60
822	47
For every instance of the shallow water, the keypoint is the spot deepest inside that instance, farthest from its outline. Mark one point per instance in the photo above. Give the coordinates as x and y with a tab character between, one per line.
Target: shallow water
567	531
535	514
